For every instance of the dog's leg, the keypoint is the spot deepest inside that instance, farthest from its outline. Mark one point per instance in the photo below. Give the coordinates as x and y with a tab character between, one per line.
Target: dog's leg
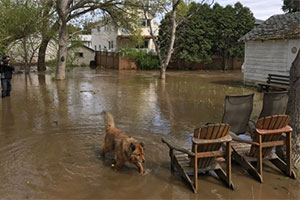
120	163
105	150
140	167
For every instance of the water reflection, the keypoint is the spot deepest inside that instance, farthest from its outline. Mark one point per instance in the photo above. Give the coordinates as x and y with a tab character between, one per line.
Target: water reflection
52	131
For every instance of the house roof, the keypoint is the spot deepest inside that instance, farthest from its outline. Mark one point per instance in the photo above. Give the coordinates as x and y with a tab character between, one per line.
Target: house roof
83	46
286	26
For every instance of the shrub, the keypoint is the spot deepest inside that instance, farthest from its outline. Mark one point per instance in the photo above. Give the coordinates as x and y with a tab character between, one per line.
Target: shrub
144	60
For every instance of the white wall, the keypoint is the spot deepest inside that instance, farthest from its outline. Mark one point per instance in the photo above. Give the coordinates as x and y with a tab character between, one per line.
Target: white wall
101	35
268	57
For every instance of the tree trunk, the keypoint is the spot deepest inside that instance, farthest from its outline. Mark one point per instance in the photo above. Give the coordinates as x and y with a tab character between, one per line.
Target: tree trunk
293	108
225	60
62	51
42	54
163	67
26	63
163	72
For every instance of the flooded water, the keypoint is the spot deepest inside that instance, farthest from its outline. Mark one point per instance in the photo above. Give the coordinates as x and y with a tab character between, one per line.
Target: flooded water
51	135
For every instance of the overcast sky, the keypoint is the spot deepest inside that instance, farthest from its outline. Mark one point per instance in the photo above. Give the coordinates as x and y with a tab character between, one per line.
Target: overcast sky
262	9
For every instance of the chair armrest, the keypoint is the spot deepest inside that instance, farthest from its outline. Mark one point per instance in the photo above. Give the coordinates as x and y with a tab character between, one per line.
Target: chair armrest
172	147
238	139
226	138
286	129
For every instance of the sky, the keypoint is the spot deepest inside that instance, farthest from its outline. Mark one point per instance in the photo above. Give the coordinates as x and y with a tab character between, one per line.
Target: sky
262	9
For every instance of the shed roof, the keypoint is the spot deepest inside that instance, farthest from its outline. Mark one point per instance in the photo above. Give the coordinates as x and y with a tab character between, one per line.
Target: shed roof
286	26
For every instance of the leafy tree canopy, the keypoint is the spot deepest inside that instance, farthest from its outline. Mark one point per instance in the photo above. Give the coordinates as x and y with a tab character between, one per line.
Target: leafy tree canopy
208	31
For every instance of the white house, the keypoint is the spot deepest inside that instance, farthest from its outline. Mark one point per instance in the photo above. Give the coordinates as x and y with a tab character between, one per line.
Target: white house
87	40
108	37
271	47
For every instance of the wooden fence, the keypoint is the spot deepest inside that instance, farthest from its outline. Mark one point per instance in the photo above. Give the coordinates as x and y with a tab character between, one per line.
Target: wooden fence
113	60
117	61
216	63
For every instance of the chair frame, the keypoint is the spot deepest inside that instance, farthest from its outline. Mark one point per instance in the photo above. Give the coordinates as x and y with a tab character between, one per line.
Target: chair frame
176	152
257	171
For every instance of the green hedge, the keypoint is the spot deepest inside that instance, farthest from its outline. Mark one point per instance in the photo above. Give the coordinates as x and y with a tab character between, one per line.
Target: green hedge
144	60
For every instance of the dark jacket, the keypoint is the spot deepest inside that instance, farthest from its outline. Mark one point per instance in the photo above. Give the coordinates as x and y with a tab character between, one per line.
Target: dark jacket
6	70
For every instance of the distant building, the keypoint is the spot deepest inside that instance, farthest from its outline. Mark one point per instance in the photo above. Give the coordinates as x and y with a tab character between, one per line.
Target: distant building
271	47
108	37
87	40
84	53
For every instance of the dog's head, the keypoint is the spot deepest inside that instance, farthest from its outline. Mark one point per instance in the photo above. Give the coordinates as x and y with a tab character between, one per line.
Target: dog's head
136	152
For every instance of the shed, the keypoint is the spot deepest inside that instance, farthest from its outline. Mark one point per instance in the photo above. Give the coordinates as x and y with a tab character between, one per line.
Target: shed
82	55
271	47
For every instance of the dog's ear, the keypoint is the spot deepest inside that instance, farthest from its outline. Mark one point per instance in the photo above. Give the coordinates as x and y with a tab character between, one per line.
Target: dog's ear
131	148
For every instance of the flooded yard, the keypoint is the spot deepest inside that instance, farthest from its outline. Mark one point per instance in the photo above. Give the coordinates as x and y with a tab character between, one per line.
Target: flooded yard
51	135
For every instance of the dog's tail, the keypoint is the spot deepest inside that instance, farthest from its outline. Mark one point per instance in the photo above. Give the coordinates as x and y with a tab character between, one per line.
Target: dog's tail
108	119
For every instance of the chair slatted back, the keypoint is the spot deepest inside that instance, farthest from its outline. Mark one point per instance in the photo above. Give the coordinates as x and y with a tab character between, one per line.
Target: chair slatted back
211	131
269	123
237	112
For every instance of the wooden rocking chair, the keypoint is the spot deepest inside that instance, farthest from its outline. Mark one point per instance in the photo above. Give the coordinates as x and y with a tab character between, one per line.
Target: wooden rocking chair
267	135
207	142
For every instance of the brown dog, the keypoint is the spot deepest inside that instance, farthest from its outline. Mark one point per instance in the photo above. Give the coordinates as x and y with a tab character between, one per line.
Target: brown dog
124	147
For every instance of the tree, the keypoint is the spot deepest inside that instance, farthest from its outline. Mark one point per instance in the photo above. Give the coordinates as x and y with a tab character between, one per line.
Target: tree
19	24
293	108
193	43
291	6
70	9
18	20
170	9
207	31
48	29
151	8
231	24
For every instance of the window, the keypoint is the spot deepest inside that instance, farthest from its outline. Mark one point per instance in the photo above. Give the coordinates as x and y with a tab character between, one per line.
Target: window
143	23
107	28
145	45
148	22
95	48
99	47
110	44
89	44
125	32
79	54
98	29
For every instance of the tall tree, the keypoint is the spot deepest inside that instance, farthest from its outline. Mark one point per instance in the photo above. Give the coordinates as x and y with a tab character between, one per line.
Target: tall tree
18	19
193	43
48	30
168	8
71	9
231	24
293	108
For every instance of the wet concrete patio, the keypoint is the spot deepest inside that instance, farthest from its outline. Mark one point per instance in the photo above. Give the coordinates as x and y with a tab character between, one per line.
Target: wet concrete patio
51	135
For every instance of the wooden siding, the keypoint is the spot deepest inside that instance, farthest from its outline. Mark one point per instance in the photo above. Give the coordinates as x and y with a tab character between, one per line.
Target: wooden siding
268	57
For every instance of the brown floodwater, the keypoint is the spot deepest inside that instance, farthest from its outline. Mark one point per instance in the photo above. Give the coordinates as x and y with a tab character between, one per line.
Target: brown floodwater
51	135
